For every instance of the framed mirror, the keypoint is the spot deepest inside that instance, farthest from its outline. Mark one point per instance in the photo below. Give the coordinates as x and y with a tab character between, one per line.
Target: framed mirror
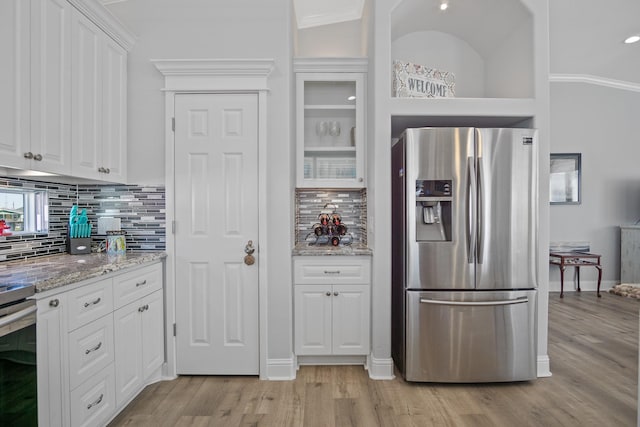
564	178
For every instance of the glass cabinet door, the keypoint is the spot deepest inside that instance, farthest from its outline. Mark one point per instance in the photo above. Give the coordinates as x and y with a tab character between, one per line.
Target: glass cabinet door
329	117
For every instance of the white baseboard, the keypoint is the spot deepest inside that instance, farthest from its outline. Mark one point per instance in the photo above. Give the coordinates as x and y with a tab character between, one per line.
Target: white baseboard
380	369
543	366
280	370
585	285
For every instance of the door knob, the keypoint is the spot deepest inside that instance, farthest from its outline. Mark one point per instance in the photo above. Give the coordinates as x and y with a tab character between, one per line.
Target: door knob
249	259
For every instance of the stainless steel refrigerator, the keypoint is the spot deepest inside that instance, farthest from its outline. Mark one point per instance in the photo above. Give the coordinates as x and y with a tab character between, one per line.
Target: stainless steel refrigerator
464	236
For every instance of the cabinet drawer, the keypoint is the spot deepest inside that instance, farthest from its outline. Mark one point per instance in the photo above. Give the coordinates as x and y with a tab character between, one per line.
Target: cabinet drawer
332	270
136	284
89	303
90	350
93	402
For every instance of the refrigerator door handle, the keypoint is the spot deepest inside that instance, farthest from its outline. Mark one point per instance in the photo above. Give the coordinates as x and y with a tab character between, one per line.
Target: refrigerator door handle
480	213
471	225
521	300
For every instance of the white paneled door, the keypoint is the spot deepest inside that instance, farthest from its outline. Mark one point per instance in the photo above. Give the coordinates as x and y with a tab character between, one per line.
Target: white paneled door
216	211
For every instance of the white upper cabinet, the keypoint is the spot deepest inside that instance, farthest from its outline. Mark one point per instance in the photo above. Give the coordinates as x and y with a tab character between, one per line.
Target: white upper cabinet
330	122
99	103
35	101
63	80
14	82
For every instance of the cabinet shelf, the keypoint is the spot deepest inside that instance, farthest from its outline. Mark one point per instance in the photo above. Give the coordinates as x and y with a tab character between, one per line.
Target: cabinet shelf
481	112
330	107
331	149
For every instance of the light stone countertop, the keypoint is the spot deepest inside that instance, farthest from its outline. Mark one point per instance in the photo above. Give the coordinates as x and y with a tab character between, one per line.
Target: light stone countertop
54	271
305	249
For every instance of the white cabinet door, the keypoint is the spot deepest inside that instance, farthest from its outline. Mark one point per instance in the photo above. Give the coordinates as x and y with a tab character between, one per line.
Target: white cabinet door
51	354
330	122
139	335
152	334
114	126
99	135
14	82
313	319
51	86
86	97
128	337
351	318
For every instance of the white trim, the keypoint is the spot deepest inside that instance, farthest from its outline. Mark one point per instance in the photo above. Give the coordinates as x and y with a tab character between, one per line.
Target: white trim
585	285
206	76
198	75
99	15
594	80
380	369
543	366
280	370
331	65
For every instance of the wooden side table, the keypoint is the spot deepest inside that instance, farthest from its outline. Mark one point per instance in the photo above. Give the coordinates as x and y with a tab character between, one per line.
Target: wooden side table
577	260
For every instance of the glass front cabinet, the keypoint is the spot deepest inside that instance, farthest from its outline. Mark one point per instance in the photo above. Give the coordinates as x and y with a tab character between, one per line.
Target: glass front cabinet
330	122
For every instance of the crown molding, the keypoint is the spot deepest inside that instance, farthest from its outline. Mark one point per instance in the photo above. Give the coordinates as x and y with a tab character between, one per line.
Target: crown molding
98	14
214	74
594	80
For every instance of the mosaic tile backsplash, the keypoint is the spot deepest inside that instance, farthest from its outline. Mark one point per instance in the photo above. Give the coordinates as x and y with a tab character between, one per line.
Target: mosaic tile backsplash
351	204
141	210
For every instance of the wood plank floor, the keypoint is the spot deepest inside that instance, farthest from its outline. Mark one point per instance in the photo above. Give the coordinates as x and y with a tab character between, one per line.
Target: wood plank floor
593	346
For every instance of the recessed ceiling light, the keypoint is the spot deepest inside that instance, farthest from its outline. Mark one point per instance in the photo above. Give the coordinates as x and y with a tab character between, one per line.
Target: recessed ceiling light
444	5
632	39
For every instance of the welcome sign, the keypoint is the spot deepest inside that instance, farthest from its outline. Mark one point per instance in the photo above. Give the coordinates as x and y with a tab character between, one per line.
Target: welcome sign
417	81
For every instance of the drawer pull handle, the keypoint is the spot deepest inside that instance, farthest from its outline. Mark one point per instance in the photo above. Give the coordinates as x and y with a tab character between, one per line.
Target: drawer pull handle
54	302
87	304
143	308
332	272
144	282
94	348
96	402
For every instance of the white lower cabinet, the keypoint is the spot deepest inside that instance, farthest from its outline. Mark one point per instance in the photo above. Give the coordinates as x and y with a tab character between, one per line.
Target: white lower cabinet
332	319
332	306
96	352
51	335
139	344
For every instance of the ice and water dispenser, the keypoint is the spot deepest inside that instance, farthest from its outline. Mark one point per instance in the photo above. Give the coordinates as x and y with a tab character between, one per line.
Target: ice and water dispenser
433	210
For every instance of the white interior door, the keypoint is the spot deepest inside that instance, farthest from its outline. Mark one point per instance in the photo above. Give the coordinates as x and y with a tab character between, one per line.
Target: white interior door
216	211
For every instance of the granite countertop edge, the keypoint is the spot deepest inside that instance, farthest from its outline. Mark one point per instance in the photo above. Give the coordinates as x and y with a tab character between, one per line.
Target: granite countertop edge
304	249
56	271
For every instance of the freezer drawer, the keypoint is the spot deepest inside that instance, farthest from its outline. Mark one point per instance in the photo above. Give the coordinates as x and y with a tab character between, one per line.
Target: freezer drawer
470	336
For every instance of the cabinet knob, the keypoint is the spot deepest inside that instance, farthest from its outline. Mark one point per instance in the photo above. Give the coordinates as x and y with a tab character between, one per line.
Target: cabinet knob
28	155
361	179
107	170
37	157
335	294
328	293
54	303
101	169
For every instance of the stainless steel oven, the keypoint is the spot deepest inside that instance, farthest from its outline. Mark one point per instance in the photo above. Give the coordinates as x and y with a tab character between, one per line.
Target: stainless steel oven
18	380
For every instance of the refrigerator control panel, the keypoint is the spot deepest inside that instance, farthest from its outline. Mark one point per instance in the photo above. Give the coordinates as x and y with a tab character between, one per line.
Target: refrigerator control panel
433	188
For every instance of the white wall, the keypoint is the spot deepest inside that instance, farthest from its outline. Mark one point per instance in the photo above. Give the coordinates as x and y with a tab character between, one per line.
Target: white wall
442	51
172	29
598	121
601	123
